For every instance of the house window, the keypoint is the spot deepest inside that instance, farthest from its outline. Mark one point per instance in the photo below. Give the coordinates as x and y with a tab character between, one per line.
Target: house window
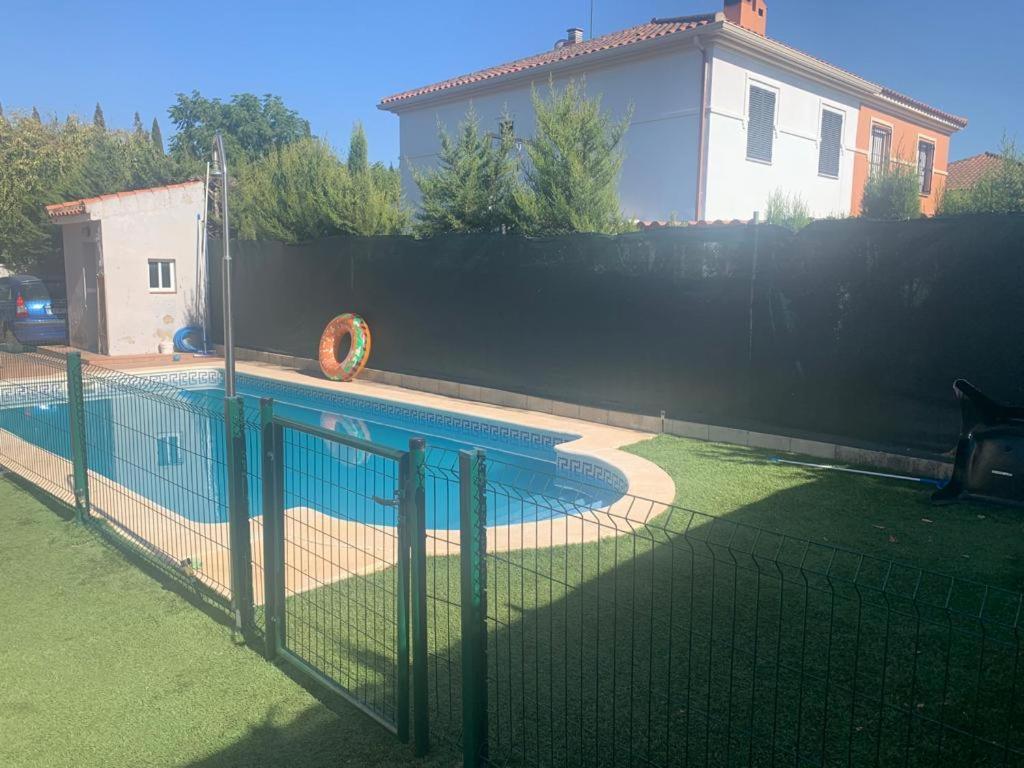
760	124
161	276
881	143
830	145
925	165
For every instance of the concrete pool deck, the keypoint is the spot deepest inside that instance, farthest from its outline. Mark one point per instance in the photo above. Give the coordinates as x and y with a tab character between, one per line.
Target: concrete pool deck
320	549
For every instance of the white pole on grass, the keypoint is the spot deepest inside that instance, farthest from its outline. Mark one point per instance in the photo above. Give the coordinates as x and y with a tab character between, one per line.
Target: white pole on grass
220	168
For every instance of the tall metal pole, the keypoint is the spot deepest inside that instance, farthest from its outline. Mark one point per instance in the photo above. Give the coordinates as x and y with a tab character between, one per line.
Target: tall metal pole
229	335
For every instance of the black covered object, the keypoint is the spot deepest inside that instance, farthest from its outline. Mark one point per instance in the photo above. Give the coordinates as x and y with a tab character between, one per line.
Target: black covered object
990	452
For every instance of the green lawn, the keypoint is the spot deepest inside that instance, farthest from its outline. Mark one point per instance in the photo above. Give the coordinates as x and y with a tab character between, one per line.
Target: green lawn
692	640
886	518
696	640
102	666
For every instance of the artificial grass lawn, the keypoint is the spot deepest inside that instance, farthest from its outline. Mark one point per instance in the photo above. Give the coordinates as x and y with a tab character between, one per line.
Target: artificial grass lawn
656	648
102	666
725	646
885	518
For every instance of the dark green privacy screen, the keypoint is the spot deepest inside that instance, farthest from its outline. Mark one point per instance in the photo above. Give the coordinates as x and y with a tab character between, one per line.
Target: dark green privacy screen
850	329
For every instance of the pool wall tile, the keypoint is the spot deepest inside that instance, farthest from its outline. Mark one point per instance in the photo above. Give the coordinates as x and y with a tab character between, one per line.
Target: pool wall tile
770	442
539	404
566	410
469	391
687	429
728	435
599	415
813	448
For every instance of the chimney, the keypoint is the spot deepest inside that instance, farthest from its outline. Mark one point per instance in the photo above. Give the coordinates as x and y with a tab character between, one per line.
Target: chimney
749	14
575	35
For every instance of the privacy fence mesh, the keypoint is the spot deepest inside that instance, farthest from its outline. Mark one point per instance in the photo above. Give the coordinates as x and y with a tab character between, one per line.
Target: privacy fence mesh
850	329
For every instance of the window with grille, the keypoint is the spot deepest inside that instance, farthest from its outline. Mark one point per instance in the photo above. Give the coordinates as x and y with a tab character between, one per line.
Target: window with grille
830	144
881	142
925	165
760	124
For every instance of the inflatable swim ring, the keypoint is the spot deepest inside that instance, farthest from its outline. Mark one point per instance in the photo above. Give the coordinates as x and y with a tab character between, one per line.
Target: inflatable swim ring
344	325
350	426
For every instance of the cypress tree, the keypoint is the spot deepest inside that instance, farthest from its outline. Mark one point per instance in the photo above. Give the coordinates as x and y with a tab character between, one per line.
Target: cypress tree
474	184
157	137
573	173
97	117
358	161
35	115
137	126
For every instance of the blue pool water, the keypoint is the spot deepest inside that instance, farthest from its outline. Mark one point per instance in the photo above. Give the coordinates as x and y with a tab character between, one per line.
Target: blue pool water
170	449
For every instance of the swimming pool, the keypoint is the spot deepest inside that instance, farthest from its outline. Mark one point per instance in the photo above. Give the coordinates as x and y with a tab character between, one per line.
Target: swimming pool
168	446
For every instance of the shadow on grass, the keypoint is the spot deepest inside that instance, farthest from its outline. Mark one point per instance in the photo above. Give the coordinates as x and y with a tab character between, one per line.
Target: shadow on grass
699	641
691	640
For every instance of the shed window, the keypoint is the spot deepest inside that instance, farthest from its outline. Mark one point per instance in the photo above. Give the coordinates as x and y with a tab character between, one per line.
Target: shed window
830	145
161	275
925	165
760	124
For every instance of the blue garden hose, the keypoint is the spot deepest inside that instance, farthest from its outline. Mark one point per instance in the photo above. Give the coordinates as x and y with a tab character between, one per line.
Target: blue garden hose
189	339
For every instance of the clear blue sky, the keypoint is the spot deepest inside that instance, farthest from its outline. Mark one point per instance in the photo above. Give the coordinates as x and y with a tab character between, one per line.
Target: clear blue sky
333	61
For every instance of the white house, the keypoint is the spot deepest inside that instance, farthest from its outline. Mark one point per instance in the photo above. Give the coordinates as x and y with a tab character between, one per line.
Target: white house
722	115
133	264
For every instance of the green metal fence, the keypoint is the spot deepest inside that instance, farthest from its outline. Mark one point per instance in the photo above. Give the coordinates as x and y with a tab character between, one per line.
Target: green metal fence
638	634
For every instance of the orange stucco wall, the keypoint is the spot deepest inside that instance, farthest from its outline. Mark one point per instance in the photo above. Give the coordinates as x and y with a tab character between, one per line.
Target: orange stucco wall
905	136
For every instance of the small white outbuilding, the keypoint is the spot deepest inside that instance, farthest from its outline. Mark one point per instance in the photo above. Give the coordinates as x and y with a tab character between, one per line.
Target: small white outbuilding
134	265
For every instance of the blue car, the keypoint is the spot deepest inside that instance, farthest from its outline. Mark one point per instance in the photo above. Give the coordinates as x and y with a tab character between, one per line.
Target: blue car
28	314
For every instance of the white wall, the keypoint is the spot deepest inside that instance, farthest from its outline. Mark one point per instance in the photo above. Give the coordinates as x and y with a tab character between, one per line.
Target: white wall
736	187
157	224
659	171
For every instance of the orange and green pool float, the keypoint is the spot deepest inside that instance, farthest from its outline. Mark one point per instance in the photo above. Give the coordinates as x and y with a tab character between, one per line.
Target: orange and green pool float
334	334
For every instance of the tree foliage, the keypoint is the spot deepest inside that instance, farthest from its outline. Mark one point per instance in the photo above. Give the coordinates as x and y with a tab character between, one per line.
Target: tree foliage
892	193
157	137
292	194
98	120
49	163
568	181
251	125
303	191
358	151
572	174
999	191
473	187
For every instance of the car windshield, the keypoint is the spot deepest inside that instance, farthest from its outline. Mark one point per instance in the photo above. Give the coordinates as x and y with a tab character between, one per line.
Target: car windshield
33	292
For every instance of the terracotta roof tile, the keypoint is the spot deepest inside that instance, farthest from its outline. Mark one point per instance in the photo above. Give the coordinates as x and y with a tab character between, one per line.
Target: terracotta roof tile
654	29
969	171
78	207
907	101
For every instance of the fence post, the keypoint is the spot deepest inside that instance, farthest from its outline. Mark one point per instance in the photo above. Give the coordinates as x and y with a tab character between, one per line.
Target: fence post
76	418
238	515
473	566
402	621
273	528
418	593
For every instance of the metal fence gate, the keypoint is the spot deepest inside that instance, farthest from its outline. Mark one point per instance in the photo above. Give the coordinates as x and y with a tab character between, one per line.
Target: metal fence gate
342	600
